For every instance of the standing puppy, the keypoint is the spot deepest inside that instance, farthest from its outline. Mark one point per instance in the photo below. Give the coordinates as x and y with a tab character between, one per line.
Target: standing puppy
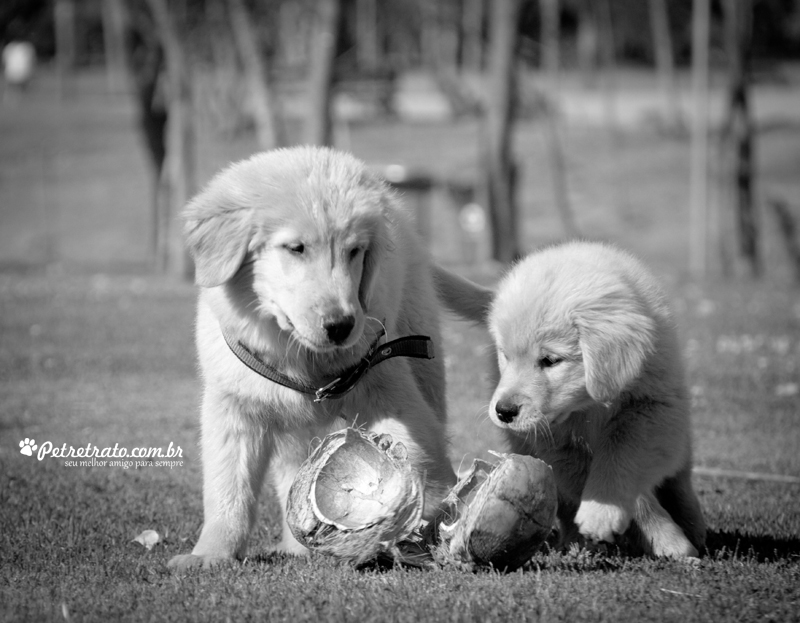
306	266
592	383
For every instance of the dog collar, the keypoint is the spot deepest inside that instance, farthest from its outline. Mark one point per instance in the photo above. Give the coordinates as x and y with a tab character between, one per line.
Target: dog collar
415	346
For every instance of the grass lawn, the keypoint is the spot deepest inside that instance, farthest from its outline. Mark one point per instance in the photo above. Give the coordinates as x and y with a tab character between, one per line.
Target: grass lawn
108	359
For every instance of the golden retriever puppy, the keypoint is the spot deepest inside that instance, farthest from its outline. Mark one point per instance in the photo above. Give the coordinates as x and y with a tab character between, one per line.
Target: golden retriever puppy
592	383
307	266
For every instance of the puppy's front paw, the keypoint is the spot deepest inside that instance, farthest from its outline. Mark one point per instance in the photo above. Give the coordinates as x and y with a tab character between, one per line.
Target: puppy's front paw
184	562
291	546
668	540
597	521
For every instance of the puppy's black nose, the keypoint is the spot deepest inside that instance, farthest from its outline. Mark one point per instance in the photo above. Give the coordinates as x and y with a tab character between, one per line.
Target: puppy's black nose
506	410
339	329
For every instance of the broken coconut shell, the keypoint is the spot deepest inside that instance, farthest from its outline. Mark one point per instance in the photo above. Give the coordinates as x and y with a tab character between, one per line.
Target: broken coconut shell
355	497
499	514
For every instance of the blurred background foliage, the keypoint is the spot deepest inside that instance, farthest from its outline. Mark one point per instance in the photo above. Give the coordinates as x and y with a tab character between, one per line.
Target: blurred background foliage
517	81
776	28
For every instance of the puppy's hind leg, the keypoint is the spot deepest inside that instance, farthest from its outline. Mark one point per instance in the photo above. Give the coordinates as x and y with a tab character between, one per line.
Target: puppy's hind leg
678	498
659	535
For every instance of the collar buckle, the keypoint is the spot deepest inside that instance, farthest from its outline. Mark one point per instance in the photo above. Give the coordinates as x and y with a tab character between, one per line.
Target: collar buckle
341	385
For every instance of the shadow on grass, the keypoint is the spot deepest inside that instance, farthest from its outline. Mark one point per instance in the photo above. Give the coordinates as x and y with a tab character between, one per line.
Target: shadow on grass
271	557
764	548
720	545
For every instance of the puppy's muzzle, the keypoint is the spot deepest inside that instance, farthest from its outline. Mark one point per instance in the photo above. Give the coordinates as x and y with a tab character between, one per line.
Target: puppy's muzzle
507	410
339	328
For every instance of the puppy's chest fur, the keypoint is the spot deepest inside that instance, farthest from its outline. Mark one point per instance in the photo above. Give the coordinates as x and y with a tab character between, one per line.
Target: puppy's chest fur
621	422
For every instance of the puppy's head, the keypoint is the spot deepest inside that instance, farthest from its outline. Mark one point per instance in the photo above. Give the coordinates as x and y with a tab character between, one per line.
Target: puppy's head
569	334
303	231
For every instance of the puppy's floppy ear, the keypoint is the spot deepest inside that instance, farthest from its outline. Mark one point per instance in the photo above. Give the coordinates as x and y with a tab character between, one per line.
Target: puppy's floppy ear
368	276
379	237
373	256
217	232
616	337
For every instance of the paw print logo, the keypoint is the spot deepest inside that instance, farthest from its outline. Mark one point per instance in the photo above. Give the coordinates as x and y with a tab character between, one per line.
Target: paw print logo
27	447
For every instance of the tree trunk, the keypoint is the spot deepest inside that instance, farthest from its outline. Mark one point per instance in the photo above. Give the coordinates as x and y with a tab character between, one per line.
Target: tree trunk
787	227
499	165
551	29
144	63
608	49
114	45
429	33
472	28
698	217
441	37
368	48
739	130
178	176
665	63
449	21
588	42
319	128
293	34
550	11
66	51
269	129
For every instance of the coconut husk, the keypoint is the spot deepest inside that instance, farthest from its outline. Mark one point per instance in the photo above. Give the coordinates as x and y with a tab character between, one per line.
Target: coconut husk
499	514
355	497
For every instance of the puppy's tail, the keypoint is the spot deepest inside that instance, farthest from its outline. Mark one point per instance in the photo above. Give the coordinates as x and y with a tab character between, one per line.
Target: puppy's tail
461	296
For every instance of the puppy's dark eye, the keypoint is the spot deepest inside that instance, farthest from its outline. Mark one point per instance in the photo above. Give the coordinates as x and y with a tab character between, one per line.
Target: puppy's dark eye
354	253
549	361
296	248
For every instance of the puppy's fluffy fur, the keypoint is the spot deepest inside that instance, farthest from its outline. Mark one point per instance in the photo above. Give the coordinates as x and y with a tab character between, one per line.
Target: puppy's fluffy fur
592	383
304	256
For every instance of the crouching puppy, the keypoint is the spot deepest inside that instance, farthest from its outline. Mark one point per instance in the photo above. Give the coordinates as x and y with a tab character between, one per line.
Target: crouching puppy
592	383
307	265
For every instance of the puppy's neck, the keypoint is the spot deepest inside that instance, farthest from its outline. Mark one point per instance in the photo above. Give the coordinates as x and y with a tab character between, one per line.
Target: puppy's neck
242	318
